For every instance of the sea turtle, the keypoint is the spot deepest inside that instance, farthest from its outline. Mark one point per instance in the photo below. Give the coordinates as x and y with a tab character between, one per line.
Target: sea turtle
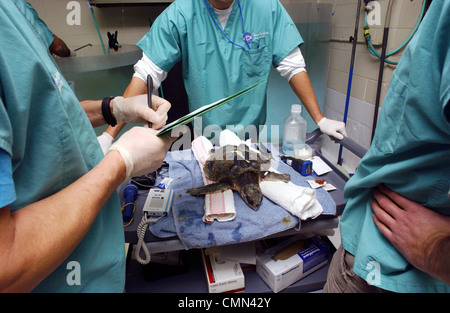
238	168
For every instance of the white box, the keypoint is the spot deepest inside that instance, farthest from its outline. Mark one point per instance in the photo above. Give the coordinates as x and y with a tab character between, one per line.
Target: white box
222	275
287	262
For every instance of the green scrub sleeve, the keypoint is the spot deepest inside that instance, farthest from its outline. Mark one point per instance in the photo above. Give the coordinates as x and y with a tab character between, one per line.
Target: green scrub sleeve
7	191
163	39
285	34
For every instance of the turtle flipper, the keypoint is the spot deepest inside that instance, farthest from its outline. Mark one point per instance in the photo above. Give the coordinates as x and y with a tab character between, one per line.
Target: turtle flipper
271	176
211	188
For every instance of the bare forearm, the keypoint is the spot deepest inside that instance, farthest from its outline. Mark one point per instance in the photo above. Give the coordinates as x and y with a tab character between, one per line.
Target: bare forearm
43	234
93	109
302	87
439	264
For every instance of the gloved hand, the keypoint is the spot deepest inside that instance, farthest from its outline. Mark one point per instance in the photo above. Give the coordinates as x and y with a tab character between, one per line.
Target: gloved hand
136	110
332	128
105	140
141	150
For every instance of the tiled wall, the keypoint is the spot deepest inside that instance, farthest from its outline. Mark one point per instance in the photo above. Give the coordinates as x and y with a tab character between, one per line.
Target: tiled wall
403	19
404	16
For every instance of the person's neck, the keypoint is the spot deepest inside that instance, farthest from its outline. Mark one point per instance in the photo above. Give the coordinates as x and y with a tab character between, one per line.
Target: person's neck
220	5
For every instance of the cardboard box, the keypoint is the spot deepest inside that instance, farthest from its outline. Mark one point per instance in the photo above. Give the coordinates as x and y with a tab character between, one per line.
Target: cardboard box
288	261
222	275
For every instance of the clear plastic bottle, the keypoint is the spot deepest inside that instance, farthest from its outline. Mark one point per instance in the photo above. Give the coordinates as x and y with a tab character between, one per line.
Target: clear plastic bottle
294	130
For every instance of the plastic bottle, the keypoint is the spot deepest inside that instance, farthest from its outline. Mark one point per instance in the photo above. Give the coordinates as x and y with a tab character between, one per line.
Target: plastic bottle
294	130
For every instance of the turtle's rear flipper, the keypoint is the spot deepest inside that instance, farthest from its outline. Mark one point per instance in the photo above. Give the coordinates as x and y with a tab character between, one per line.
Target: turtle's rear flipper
211	188
271	176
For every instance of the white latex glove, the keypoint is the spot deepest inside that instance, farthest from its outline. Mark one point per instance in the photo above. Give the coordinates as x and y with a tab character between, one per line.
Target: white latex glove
332	128
141	150
135	110
105	140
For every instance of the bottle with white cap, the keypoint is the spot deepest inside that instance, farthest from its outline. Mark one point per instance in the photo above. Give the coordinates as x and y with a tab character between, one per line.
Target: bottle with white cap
294	130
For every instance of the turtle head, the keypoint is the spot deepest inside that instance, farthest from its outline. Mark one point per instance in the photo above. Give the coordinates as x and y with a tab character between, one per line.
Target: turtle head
252	195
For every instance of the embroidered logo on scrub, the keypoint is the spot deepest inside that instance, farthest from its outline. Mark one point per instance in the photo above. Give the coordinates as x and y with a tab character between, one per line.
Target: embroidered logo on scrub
57	80
248	38
260	35
256	39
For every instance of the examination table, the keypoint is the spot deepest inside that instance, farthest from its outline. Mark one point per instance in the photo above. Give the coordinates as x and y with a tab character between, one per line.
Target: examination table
192	276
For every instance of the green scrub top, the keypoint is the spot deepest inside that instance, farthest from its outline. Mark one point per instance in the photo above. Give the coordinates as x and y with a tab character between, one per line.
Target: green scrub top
41	28
213	67
410	154
51	143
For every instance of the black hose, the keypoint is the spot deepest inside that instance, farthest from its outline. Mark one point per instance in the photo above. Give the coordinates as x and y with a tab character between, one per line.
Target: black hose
350	77
381	70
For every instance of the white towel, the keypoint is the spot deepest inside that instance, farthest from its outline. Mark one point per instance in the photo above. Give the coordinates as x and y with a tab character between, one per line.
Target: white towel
299	201
227	137
218	206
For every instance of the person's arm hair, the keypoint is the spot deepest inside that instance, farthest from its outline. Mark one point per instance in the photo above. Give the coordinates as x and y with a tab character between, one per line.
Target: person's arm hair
37	238
439	260
421	235
93	110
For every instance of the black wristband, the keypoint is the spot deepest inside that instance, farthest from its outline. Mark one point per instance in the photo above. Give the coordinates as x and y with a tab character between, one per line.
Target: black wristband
106	112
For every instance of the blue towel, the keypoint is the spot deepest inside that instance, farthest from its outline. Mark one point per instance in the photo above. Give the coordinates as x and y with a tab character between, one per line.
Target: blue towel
185	221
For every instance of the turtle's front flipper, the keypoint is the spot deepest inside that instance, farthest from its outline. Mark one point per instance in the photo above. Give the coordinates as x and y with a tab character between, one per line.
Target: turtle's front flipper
271	176
211	188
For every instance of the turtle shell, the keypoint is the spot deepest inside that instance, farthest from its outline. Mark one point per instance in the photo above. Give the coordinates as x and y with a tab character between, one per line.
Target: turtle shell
230	162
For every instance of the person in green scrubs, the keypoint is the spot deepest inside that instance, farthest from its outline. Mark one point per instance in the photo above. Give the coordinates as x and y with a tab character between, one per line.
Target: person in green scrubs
61	225
395	228
225	46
